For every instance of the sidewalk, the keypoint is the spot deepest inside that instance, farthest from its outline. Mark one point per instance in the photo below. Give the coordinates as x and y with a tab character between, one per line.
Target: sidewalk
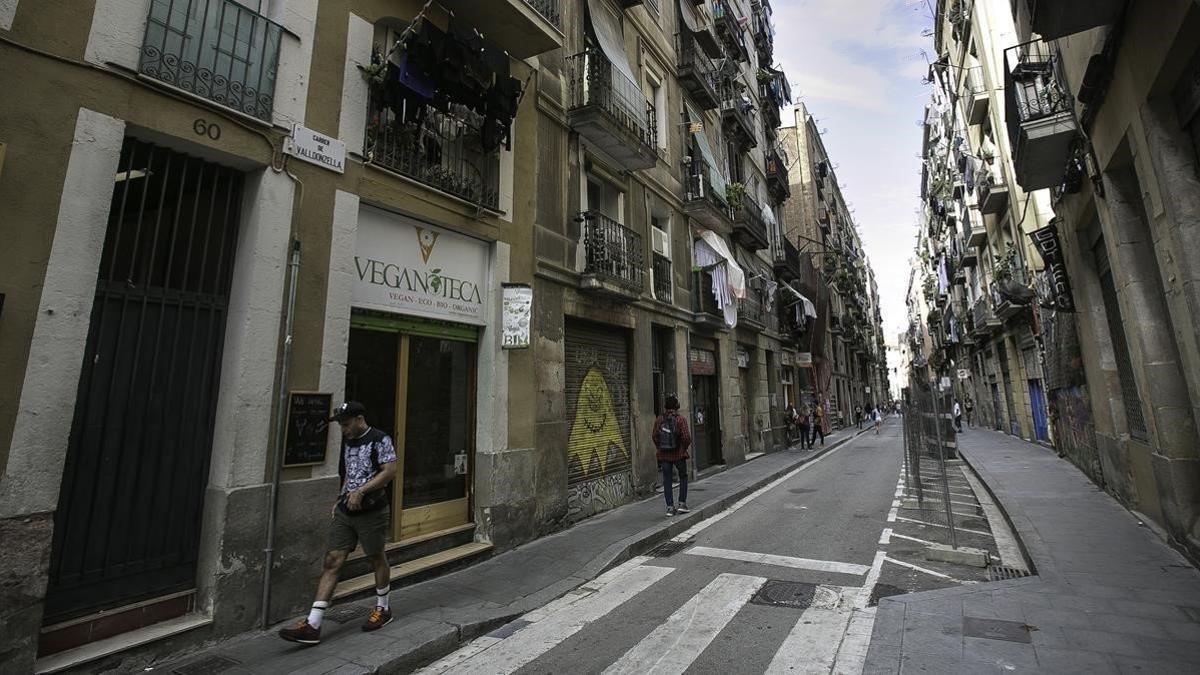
1108	596
434	617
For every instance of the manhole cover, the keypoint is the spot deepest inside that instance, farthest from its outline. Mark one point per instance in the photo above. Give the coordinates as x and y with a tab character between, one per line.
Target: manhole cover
1000	573
346	613
669	548
996	629
884	591
206	665
795	594
801	491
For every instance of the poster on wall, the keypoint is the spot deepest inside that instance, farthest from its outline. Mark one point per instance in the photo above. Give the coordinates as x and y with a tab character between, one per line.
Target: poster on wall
404	265
516	315
307	428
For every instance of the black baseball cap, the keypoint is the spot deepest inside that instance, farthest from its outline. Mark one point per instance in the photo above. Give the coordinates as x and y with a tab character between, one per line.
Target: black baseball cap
348	410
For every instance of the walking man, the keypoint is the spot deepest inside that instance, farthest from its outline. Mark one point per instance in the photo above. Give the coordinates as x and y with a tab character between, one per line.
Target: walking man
672	439
360	516
818	424
803	422
958	416
970	409
858	415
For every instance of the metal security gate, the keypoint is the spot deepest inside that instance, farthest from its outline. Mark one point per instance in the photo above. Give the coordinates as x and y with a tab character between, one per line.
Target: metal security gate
127	526
597	388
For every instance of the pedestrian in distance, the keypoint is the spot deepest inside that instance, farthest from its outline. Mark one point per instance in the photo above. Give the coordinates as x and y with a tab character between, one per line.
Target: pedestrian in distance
858	416
802	420
958	416
360	516
672	438
791	420
970	410
818	422
878	419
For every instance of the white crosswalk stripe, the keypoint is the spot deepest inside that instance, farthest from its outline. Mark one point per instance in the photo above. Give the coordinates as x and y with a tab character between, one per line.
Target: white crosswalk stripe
553	623
780	560
676	643
812	644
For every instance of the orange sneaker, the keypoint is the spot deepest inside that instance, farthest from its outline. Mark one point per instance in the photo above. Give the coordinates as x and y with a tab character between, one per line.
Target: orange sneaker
303	633
379	618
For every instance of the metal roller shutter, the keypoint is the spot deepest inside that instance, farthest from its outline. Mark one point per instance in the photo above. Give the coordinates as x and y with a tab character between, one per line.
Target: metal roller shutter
597	370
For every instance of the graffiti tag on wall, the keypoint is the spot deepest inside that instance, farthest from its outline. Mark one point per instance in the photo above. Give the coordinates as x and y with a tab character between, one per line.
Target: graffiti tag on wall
1074	430
594	496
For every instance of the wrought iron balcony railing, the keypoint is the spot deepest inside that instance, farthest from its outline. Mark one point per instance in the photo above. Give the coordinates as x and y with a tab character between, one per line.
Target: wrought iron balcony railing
697	71
663	284
787	260
704	303
749	225
729	29
443	151
628	133
777	174
702	201
215	49
1039	114
549	10
737	111
612	252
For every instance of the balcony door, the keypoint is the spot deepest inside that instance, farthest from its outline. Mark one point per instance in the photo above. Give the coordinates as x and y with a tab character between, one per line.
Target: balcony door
417	381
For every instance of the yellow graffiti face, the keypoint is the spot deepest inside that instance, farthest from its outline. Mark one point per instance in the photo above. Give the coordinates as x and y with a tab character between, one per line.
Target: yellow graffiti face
595	435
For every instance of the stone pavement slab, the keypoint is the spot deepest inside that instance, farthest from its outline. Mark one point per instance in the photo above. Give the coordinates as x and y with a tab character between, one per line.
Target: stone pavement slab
434	617
1108	596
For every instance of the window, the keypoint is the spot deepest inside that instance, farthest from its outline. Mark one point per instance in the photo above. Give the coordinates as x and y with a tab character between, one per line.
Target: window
604	197
734	154
657	95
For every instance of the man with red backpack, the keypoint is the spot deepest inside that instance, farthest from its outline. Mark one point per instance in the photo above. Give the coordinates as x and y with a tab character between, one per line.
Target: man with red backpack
672	439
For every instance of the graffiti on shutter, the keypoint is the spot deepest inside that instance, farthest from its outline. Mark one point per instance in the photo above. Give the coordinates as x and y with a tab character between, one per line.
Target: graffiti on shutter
599	448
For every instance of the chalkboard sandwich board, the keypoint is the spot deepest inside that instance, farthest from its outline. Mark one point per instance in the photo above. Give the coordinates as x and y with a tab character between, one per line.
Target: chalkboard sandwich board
307	428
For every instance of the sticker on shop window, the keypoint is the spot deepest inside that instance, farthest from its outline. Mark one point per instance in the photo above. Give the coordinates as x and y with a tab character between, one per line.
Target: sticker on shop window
460	464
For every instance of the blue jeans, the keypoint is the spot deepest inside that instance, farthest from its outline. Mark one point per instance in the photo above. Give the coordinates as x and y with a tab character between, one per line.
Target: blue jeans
667	469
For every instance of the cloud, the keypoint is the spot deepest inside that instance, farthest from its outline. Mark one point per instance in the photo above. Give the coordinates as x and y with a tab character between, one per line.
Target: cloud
857	66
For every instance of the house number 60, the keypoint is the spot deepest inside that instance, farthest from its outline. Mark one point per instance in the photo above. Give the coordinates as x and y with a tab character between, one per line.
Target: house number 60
202	128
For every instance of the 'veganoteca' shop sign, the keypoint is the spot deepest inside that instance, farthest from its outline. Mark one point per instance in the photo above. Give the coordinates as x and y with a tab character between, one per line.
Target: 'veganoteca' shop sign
402	265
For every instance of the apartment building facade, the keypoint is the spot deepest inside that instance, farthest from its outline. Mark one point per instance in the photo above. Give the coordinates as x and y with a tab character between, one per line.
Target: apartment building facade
1087	111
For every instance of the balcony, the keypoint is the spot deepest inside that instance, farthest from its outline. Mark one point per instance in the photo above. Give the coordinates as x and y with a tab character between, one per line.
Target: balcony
1011	295
977	234
991	192
1040	116
729	30
663	284
969	257
613	258
523	28
753	310
702	202
697	71
984	320
704	303
218	50
978	102
835	324
777	175
1060	18
749	225
823	218
764	36
787	260
610	111
441	151
737	113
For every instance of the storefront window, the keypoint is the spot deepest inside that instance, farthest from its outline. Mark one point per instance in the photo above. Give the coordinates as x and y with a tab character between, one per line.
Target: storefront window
438	423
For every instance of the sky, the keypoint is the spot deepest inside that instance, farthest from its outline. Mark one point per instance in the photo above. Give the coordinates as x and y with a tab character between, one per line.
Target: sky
857	66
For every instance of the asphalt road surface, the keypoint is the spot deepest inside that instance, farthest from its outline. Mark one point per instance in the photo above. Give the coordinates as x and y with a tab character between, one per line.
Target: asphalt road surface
784	581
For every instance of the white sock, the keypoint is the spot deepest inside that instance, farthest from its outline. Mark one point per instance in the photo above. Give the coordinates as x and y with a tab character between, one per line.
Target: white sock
381	597
317	614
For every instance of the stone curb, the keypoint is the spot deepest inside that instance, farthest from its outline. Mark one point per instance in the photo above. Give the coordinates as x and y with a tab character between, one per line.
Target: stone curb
612	556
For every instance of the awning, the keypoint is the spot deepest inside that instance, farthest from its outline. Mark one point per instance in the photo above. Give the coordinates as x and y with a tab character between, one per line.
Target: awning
804	306
714	172
606	26
728	279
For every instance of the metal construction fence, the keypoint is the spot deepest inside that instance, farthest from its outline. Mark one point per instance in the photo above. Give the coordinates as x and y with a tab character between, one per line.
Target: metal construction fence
929	441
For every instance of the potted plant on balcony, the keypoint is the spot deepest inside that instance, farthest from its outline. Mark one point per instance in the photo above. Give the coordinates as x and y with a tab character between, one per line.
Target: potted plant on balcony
734	193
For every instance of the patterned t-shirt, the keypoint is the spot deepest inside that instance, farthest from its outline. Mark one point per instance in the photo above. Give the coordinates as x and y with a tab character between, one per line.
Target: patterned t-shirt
356	454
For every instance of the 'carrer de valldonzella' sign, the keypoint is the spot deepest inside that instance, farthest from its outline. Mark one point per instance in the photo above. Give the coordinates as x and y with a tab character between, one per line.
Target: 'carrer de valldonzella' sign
405	266
310	146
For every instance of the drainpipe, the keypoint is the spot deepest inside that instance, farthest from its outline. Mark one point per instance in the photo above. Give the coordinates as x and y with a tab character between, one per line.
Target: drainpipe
280	431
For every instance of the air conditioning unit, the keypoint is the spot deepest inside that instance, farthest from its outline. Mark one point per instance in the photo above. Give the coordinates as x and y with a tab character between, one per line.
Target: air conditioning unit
661	242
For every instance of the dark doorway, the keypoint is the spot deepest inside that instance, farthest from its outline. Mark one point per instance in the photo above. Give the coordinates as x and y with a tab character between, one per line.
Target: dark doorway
127	526
706	409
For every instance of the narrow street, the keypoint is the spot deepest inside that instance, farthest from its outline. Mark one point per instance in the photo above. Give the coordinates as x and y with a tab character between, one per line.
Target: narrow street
783	581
